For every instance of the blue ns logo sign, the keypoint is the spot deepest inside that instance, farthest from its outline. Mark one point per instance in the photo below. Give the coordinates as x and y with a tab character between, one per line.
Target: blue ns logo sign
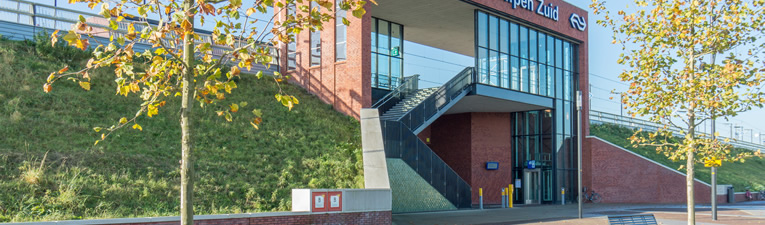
577	22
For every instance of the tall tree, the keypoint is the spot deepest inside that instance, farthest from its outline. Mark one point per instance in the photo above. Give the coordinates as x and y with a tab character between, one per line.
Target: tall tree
182	63
689	61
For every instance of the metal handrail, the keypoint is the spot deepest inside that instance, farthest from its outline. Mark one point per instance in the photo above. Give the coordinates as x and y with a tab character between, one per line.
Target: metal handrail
407	87
436	102
635	123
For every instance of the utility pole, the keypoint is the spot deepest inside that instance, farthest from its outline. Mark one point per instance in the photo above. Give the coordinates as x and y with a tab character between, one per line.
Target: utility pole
579	149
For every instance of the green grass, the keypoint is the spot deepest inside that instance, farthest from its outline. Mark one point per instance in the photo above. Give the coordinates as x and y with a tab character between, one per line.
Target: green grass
136	173
750	173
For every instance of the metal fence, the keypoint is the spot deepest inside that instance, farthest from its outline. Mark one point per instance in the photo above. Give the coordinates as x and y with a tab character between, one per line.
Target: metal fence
46	18
598	117
401	142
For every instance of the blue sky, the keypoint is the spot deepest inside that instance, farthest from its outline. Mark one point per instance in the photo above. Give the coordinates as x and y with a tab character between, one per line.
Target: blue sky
437	66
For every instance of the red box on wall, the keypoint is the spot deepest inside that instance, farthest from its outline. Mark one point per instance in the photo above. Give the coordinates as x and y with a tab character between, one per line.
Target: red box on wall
318	202
334	201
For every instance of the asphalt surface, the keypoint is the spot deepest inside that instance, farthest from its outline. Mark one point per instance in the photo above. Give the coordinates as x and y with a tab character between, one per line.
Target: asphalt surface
751	212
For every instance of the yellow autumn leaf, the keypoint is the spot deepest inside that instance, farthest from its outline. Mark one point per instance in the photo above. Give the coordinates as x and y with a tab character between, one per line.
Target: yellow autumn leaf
137	127
85	85
123	120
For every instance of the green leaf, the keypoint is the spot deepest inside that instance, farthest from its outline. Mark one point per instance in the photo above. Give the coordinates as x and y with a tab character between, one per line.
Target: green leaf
113	25
97	129
257	113
82	19
259	74
346	21
358	13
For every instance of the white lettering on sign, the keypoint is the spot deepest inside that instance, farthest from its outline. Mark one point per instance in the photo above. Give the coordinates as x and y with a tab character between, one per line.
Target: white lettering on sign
334	201
578	22
319	201
548	10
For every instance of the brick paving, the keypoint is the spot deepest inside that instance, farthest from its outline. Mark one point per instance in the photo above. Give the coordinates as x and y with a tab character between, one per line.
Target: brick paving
669	214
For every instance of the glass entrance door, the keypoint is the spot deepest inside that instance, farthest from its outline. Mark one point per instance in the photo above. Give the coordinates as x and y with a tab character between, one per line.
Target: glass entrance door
531	187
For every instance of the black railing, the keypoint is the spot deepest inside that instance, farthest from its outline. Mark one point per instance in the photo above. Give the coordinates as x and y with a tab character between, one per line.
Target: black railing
436	102
408	87
401	142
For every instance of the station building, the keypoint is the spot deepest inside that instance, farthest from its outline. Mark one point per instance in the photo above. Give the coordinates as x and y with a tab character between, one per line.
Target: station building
509	119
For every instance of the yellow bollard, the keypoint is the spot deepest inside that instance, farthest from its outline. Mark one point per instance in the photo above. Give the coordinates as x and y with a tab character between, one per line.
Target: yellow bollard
480	197
510	196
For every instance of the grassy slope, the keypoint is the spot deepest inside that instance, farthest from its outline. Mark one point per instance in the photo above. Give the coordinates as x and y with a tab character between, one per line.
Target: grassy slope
740	175
134	173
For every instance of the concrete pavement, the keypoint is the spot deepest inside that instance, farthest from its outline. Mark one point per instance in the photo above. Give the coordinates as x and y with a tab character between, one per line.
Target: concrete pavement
752	212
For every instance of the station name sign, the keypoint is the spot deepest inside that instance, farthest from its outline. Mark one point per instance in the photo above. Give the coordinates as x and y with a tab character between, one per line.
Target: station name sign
548	10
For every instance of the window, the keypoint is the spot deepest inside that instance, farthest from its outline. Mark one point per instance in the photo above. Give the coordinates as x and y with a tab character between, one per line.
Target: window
315	40
292	46
340	33
387	54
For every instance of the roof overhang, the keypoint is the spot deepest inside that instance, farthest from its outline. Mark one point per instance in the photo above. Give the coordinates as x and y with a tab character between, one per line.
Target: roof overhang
485	98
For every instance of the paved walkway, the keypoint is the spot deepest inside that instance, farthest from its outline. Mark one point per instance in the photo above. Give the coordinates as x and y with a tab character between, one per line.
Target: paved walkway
741	213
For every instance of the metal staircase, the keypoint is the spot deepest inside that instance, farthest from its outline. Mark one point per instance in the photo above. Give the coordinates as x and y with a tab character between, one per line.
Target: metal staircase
408	104
408	110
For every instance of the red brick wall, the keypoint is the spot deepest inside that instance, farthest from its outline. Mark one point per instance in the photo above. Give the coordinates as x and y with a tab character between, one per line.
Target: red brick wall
622	177
490	141
346	85
450	140
467	141
330	218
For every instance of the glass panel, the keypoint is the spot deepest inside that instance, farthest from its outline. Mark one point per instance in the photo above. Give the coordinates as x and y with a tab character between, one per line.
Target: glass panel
396	40
550	50
533	118
340	32
547	122
524	40
383	45
566	56
374	69
503	36
483	65
374	35
542	79
395	70
493	33
533	78
383	71
551	81
524	75
567	87
559	116
558	53
315	40
542	47
483	31
514	73
568	118
559	83
493	68
504	80
514	39
532	45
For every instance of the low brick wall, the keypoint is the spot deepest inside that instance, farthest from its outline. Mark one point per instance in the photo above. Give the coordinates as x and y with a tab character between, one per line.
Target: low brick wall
375	217
621	176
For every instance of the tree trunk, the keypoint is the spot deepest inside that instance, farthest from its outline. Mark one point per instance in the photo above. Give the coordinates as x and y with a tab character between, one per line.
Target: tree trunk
689	177
187	164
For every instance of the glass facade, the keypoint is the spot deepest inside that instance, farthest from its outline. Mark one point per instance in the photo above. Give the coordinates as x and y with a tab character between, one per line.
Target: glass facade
521	58
387	54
